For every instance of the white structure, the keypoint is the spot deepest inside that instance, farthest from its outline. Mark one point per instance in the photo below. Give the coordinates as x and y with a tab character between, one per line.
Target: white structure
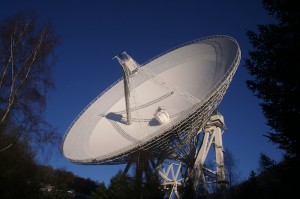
161	115
189	82
213	131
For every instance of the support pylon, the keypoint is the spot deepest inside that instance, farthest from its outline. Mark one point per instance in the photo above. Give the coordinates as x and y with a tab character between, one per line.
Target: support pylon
212	136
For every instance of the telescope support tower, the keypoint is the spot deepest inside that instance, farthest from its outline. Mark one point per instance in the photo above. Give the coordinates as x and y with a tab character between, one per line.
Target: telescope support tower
173	174
212	135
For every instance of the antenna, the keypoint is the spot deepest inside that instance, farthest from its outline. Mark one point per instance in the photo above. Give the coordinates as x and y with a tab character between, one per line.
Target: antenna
129	67
174	118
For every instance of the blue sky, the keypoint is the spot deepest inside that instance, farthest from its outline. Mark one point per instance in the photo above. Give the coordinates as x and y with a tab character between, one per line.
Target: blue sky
93	32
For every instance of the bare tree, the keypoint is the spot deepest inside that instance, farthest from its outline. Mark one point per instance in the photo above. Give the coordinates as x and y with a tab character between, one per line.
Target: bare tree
26	49
231	164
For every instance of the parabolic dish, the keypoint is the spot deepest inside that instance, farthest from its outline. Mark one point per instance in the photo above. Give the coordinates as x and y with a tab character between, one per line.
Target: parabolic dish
189	81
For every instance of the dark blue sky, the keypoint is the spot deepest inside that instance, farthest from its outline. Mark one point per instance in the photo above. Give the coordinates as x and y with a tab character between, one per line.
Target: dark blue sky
93	32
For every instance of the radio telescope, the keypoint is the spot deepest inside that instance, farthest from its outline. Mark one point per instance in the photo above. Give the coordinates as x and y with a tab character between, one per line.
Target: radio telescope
166	106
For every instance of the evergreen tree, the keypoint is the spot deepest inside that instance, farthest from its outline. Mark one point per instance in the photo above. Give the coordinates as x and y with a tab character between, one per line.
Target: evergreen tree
188	190
119	188
152	188
18	176
101	192
266	163
275	67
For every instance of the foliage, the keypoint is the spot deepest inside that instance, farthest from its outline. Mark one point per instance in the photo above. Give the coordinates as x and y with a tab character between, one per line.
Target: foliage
119	187
21	177
274	181
230	163
266	163
25	49
122	186
64	183
274	65
25	68
26	59
18	176
145	180
188	191
101	192
152	188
